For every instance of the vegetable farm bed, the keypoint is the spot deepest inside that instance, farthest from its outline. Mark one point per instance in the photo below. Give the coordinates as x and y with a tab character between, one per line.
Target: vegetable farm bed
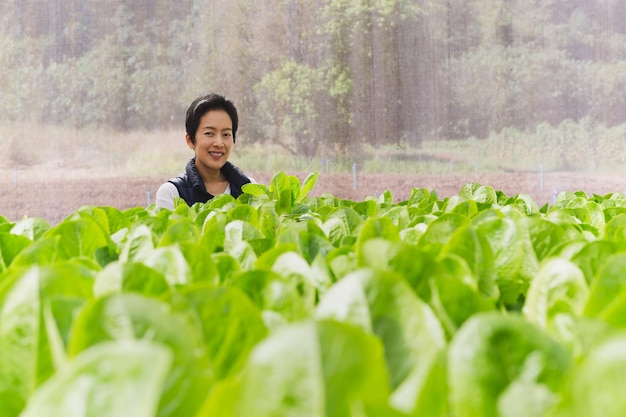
54	195
286	303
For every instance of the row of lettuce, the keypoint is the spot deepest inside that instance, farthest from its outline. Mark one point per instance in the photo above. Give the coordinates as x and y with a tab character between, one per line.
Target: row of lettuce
282	304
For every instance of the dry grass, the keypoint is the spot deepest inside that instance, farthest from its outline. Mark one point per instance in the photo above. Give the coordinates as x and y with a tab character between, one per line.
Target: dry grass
95	152
64	152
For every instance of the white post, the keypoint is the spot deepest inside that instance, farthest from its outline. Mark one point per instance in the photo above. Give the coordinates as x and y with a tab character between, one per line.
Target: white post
354	175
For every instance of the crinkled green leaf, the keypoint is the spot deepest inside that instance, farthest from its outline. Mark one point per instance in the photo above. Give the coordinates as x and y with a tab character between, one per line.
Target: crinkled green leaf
608	284
138	244
230	324
244	212
324	369
10	246
384	304
256	190
109	380
451	289
597	385
131	316
592	256
226	265
200	262
170	261
546	235
308	238
378	227
270	291
514	260
559	288
341	261
280	189
31	227
307	185
556	299
419	195
183	230
80	237
491	354
407	260
297	270
615	228
472	246
269	221
25	353
213	232
439	231
129	277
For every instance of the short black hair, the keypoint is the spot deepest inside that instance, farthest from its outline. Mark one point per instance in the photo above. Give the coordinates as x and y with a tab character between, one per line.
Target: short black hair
205	103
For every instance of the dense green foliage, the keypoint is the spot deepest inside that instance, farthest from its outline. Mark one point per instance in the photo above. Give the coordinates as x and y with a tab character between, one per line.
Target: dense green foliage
278	303
317	76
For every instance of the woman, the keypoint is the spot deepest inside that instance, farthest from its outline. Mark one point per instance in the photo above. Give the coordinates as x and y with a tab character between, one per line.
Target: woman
211	125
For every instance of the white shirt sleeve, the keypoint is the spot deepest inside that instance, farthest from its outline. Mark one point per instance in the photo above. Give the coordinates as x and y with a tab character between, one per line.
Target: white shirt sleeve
167	192
165	195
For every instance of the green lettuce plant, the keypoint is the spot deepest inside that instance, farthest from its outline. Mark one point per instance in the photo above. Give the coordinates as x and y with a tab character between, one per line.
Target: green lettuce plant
280	302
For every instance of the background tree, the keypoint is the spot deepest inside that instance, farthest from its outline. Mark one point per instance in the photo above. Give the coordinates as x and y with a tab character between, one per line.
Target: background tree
322	77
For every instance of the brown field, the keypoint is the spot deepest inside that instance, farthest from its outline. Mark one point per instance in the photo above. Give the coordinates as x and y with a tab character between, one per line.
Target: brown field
53	196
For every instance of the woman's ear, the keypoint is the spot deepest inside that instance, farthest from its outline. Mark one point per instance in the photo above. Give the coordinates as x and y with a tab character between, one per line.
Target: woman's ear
190	144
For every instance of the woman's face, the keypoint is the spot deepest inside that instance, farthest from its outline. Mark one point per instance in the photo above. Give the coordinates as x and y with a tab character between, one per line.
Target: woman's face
214	140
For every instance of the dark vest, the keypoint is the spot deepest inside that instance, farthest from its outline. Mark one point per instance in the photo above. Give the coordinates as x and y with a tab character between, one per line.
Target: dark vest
191	187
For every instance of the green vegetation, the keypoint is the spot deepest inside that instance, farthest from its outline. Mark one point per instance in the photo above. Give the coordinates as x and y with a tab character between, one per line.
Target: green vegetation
279	303
321	78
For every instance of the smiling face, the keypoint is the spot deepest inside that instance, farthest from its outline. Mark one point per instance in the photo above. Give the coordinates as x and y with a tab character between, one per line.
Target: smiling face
213	142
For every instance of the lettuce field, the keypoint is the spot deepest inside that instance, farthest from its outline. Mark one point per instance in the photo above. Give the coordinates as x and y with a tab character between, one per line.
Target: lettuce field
282	304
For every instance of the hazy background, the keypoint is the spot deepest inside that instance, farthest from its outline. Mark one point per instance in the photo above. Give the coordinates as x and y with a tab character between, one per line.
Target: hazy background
486	84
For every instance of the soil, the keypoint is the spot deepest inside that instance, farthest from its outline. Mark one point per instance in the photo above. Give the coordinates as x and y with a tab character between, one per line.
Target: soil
55	196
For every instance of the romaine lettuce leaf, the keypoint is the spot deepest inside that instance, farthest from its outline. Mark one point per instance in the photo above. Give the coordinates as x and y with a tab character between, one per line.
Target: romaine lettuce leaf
497	360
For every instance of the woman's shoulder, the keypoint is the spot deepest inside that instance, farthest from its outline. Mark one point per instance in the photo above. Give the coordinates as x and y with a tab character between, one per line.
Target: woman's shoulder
167	187
165	195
